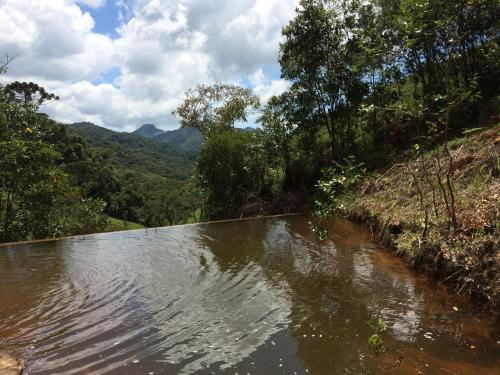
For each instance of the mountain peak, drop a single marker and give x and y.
(148, 131)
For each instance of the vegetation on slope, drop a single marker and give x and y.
(395, 205)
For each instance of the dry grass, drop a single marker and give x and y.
(468, 257)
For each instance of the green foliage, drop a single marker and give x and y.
(142, 180)
(367, 78)
(37, 196)
(28, 93)
(214, 109)
(319, 231)
(229, 173)
(377, 76)
(375, 340)
(115, 225)
(335, 181)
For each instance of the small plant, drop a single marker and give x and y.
(336, 180)
(319, 231)
(375, 340)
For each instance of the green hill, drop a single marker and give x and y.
(187, 139)
(148, 131)
(132, 152)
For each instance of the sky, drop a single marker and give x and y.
(124, 63)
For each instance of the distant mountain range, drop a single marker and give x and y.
(186, 139)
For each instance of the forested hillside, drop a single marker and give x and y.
(130, 151)
(186, 139)
(148, 131)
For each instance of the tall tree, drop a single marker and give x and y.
(317, 56)
(216, 108)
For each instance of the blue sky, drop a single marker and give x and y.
(123, 63)
(106, 18)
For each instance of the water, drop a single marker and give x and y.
(259, 296)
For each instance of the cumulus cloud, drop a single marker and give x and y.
(265, 87)
(52, 40)
(162, 48)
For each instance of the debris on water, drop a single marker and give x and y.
(320, 335)
(398, 361)
(135, 361)
(428, 335)
(281, 365)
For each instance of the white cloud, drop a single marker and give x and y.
(92, 3)
(52, 40)
(265, 88)
(163, 47)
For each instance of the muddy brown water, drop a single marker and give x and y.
(255, 297)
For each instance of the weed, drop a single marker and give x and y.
(375, 340)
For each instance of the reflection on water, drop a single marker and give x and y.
(260, 297)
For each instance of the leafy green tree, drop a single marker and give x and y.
(29, 93)
(275, 137)
(317, 56)
(228, 174)
(37, 197)
(216, 108)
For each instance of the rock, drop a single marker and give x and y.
(9, 364)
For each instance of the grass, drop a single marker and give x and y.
(115, 225)
(195, 217)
